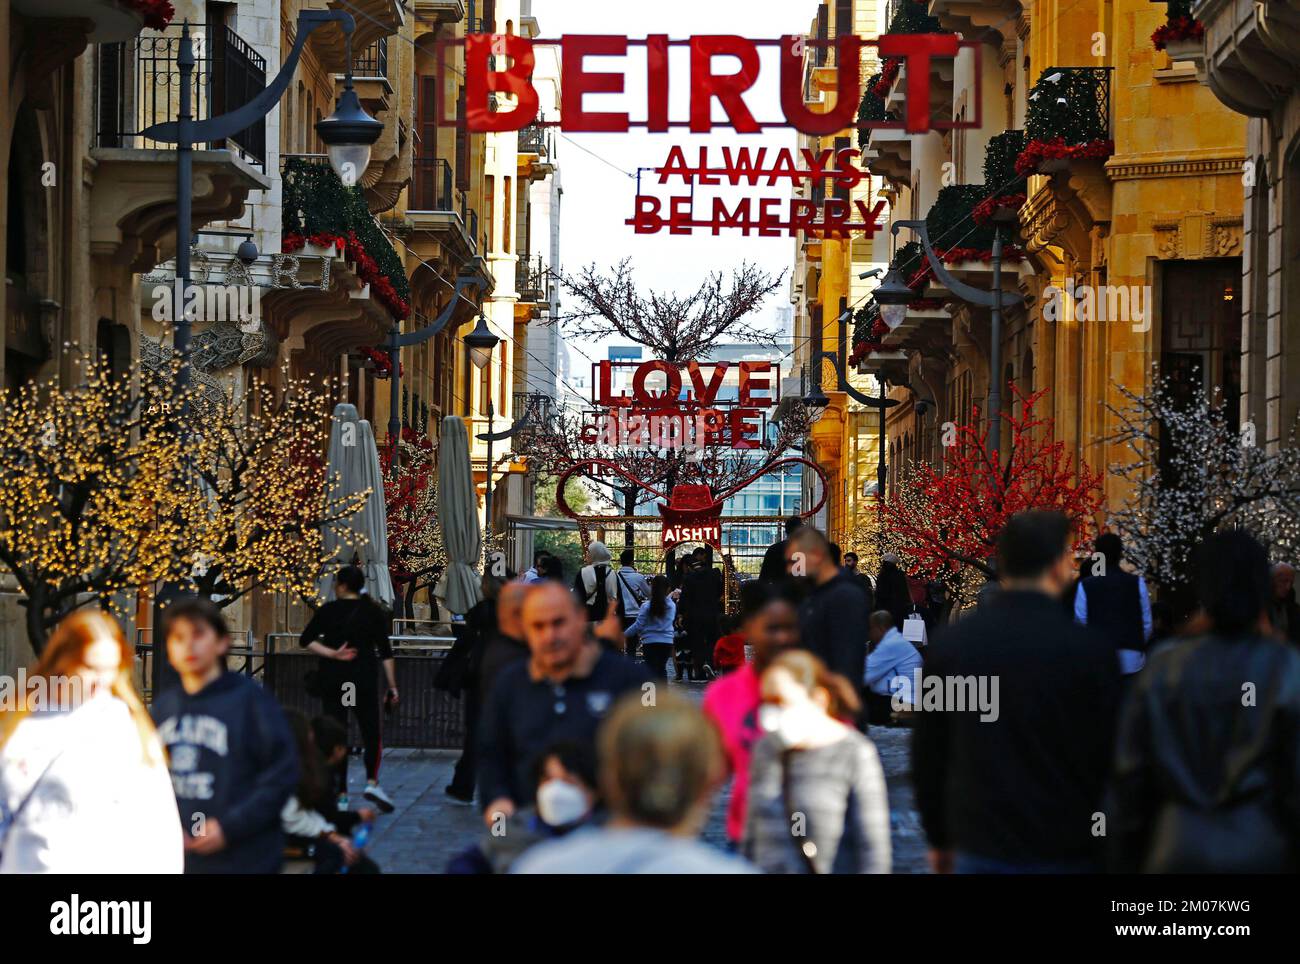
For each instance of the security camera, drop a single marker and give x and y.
(874, 272)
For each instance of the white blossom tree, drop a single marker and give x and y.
(1191, 472)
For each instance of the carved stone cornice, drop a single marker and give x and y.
(1210, 163)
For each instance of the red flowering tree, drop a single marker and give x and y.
(415, 552)
(953, 515)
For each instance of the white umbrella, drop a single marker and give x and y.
(458, 516)
(353, 466)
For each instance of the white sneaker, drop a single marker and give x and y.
(375, 794)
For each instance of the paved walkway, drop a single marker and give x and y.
(427, 828)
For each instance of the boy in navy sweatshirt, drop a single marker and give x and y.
(230, 750)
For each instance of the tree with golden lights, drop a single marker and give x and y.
(93, 502)
(261, 504)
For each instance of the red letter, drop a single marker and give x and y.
(647, 219)
(705, 394)
(515, 80)
(749, 383)
(604, 370)
(705, 84)
(917, 49)
(574, 82)
(656, 54)
(743, 432)
(848, 55)
(670, 393)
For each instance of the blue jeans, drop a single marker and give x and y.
(968, 863)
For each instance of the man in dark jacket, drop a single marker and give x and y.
(892, 591)
(833, 619)
(1014, 782)
(774, 569)
(1115, 603)
(700, 611)
(231, 753)
(560, 693)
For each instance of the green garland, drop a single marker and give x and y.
(1000, 175)
(872, 109)
(949, 221)
(316, 202)
(908, 260)
(911, 17)
(1067, 110)
(864, 321)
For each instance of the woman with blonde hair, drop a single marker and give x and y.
(817, 800)
(84, 786)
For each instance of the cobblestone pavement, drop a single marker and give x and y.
(428, 828)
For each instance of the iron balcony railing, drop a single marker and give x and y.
(373, 61)
(433, 188)
(536, 139)
(531, 279)
(137, 84)
(538, 407)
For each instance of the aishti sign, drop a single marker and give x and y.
(678, 406)
(503, 64)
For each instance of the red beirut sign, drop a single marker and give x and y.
(504, 63)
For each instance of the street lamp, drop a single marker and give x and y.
(815, 397)
(888, 298)
(481, 342)
(349, 132)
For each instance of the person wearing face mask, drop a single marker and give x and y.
(84, 786)
(817, 797)
(769, 623)
(566, 799)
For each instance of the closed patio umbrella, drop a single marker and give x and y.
(458, 515)
(353, 466)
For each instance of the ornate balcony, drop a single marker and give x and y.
(1252, 53)
(137, 84)
(1068, 121)
(438, 213)
(993, 21)
(374, 19)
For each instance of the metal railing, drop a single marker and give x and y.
(432, 184)
(137, 85)
(536, 139)
(373, 61)
(531, 279)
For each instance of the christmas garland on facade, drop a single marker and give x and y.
(1000, 176)
(157, 13)
(869, 330)
(382, 361)
(1065, 120)
(1179, 25)
(871, 110)
(319, 209)
(909, 17)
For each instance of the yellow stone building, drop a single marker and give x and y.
(1125, 259)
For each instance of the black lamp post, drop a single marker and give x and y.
(481, 342)
(348, 135)
(815, 396)
(891, 298)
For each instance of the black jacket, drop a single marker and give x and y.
(774, 568)
(232, 757)
(833, 624)
(892, 593)
(1024, 787)
(701, 603)
(358, 622)
(1207, 773)
(523, 716)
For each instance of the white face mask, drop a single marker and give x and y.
(560, 803)
(793, 724)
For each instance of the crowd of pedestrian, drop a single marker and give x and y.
(1064, 725)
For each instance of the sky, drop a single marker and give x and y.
(598, 170)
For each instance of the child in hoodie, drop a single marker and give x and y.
(231, 753)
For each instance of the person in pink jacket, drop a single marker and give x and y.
(769, 622)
